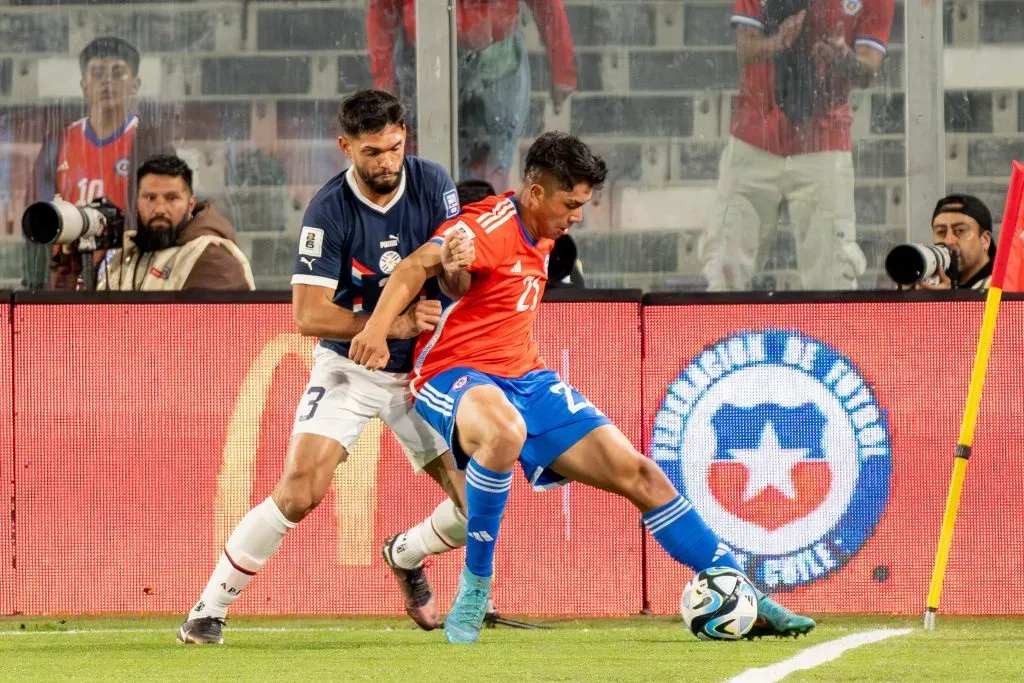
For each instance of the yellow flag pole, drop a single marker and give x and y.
(962, 453)
(1011, 221)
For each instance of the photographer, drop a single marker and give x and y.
(179, 243)
(963, 224)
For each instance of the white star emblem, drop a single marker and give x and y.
(769, 465)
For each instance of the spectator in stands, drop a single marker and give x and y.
(494, 73)
(178, 243)
(564, 268)
(94, 156)
(963, 223)
(790, 138)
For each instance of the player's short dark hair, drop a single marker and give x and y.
(165, 164)
(370, 111)
(474, 190)
(110, 46)
(565, 159)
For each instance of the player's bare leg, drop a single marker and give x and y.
(492, 431)
(605, 459)
(308, 471)
(443, 530)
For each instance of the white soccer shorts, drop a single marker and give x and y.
(342, 397)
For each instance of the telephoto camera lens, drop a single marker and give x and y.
(908, 264)
(60, 222)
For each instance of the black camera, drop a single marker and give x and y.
(908, 264)
(97, 225)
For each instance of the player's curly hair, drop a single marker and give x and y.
(109, 46)
(370, 111)
(565, 159)
(168, 165)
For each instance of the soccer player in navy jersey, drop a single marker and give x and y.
(355, 231)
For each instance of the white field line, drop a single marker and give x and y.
(816, 656)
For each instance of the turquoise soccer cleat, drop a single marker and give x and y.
(467, 614)
(775, 620)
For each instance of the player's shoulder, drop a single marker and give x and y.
(428, 184)
(484, 219)
(426, 172)
(490, 214)
(329, 200)
(76, 128)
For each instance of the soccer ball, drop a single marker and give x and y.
(719, 603)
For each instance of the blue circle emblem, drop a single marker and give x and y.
(778, 441)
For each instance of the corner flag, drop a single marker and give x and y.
(1007, 275)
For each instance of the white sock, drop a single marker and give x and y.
(443, 530)
(254, 540)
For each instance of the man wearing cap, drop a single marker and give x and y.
(963, 223)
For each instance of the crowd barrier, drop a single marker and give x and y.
(814, 435)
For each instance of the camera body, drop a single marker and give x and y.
(909, 264)
(97, 225)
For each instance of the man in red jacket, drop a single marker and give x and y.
(494, 72)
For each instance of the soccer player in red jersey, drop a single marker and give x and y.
(479, 380)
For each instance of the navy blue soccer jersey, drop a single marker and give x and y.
(351, 245)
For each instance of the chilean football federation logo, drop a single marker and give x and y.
(780, 445)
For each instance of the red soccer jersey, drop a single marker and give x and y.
(759, 121)
(89, 168)
(490, 329)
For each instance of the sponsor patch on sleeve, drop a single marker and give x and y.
(311, 241)
(451, 203)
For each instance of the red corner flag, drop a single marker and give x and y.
(1008, 271)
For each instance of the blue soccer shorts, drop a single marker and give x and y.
(557, 416)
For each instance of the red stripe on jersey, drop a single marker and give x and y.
(363, 270)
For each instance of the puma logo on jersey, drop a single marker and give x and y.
(308, 262)
(518, 267)
(390, 243)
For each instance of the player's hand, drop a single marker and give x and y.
(422, 316)
(457, 252)
(370, 349)
(789, 30)
(559, 94)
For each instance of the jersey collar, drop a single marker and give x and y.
(350, 179)
(519, 220)
(90, 134)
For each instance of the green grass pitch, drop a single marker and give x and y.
(635, 649)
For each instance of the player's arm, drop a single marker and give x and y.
(316, 315)
(369, 347)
